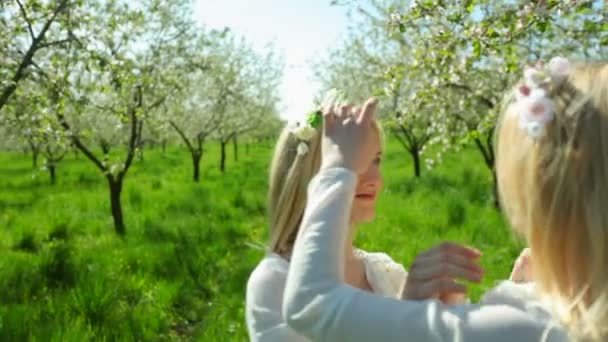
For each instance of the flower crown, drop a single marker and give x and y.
(536, 109)
(306, 129)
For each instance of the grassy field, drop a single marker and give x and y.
(180, 273)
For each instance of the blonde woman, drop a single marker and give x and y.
(552, 167)
(297, 159)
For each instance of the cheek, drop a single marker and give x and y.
(376, 177)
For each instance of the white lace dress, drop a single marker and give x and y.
(266, 285)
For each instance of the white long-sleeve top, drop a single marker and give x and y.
(266, 286)
(319, 305)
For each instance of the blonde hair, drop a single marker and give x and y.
(554, 191)
(290, 174)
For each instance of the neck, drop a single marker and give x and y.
(349, 252)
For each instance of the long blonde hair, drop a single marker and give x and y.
(554, 191)
(290, 174)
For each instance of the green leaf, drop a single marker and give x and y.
(315, 118)
(476, 48)
(402, 28)
(378, 92)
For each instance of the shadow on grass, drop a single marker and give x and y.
(17, 205)
(14, 171)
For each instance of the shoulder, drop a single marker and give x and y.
(386, 276)
(502, 322)
(379, 260)
(510, 291)
(522, 296)
(269, 275)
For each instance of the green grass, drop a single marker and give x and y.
(180, 273)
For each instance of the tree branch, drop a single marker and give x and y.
(78, 143)
(465, 87)
(484, 152)
(401, 140)
(29, 55)
(182, 135)
(133, 139)
(57, 42)
(27, 19)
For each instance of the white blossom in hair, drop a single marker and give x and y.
(535, 108)
(302, 148)
(305, 130)
(559, 67)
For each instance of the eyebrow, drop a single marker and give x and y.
(379, 153)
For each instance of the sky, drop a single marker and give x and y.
(300, 30)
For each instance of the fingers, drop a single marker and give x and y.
(368, 111)
(328, 117)
(435, 267)
(450, 257)
(345, 109)
(452, 298)
(342, 113)
(453, 248)
(447, 260)
(435, 287)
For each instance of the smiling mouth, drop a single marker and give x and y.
(367, 197)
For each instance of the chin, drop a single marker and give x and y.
(364, 216)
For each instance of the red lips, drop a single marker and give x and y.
(366, 196)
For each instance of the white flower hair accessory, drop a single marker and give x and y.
(302, 148)
(535, 108)
(306, 129)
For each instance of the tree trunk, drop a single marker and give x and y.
(235, 143)
(223, 156)
(247, 146)
(415, 153)
(196, 164)
(51, 167)
(115, 190)
(496, 199)
(164, 146)
(34, 158)
(140, 153)
(488, 158)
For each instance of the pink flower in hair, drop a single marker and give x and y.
(535, 107)
(523, 90)
(535, 110)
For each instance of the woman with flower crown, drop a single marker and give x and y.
(552, 168)
(297, 159)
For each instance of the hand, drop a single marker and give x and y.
(434, 272)
(522, 269)
(347, 137)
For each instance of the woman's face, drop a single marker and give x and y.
(369, 185)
